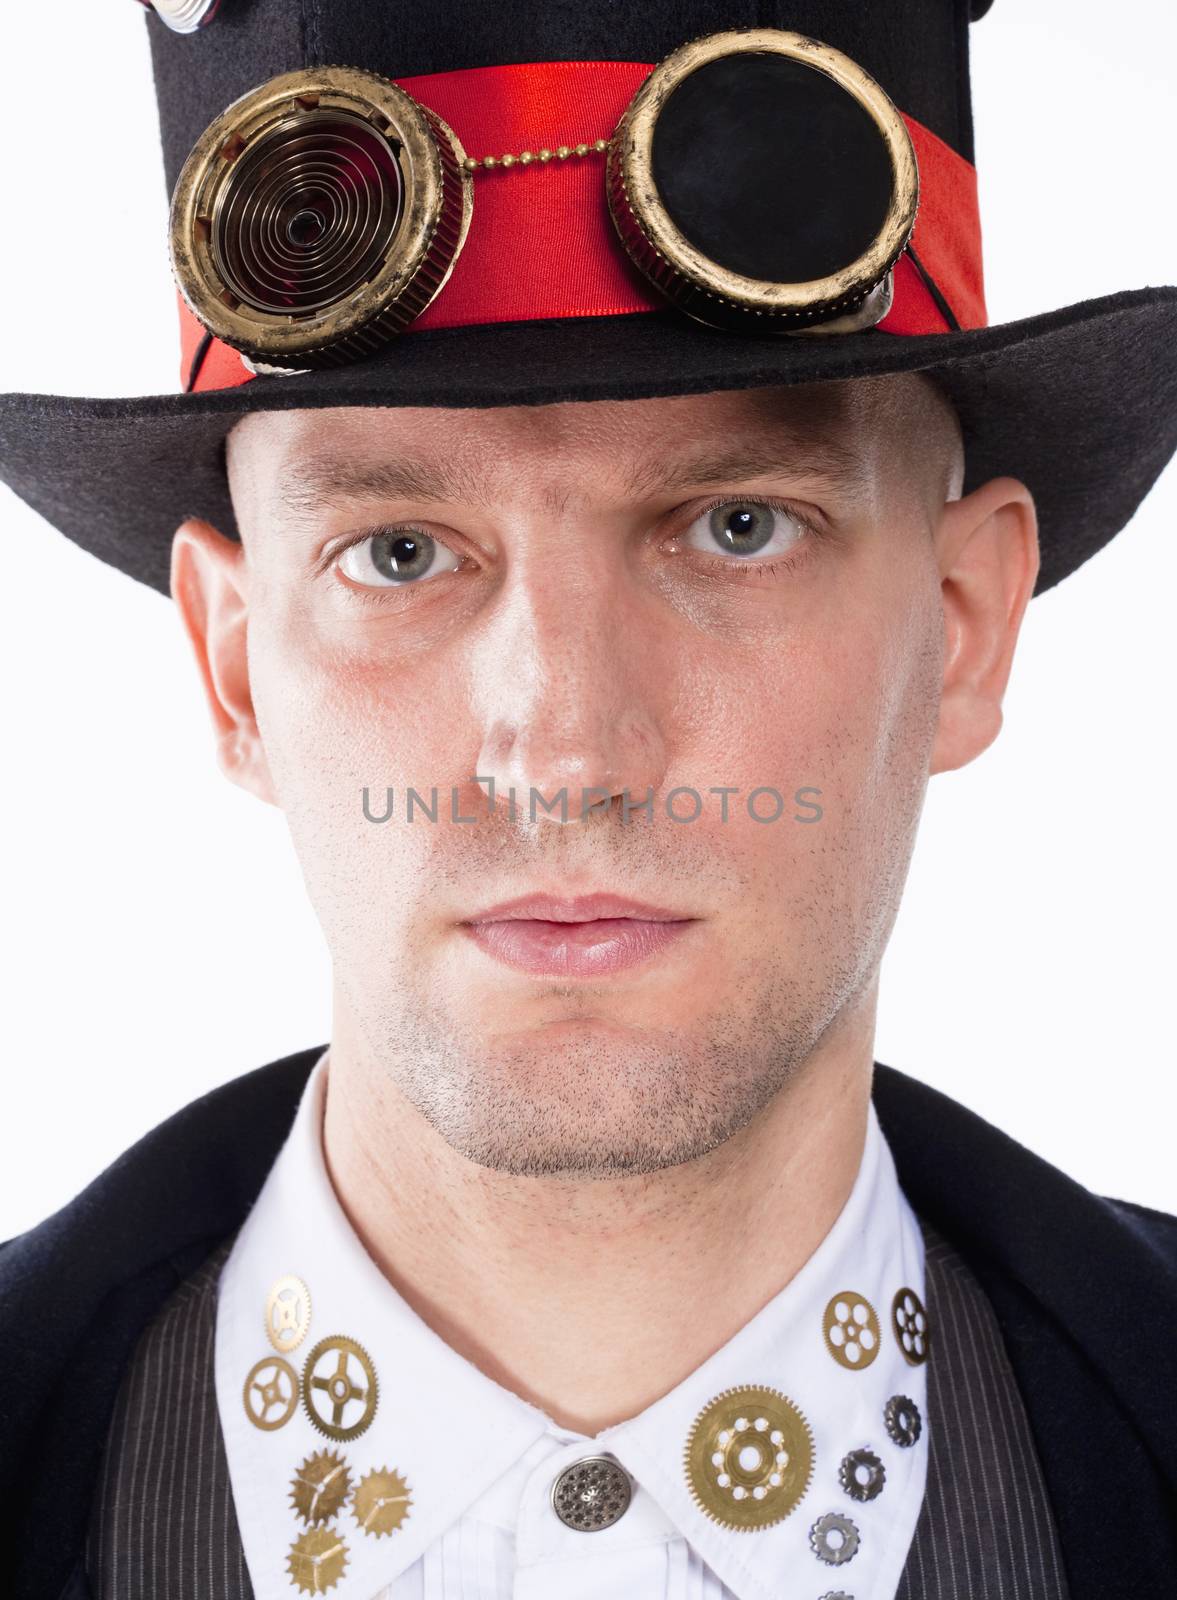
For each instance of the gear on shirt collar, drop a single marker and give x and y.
(320, 1486)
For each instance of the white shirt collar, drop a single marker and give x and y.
(465, 1446)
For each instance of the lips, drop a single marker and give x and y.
(583, 908)
(586, 936)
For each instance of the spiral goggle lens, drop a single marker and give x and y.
(308, 213)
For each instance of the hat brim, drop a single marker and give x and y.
(1079, 403)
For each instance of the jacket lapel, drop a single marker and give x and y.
(1084, 1289)
(77, 1290)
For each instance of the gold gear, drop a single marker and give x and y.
(381, 1502)
(317, 1559)
(320, 1486)
(749, 1457)
(288, 1313)
(851, 1330)
(338, 1388)
(268, 1392)
(910, 1323)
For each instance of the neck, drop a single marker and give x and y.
(592, 1298)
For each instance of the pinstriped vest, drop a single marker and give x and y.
(163, 1522)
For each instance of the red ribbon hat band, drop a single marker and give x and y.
(543, 244)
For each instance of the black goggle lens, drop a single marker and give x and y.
(771, 168)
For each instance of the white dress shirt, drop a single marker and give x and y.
(479, 1464)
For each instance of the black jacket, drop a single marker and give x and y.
(1084, 1289)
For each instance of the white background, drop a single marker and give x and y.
(157, 937)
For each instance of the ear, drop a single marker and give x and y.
(987, 547)
(209, 586)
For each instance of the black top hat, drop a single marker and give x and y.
(482, 206)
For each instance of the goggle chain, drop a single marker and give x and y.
(525, 157)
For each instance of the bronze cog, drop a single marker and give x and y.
(317, 1559)
(321, 1485)
(749, 1457)
(326, 1395)
(288, 1313)
(272, 1381)
(381, 1502)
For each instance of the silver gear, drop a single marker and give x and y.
(902, 1419)
(850, 1481)
(819, 1538)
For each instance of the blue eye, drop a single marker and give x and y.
(745, 528)
(394, 557)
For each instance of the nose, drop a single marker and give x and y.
(570, 693)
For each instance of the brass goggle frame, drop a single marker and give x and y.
(231, 248)
(389, 188)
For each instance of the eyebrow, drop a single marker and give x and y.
(322, 483)
(825, 461)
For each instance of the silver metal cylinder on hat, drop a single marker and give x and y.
(185, 16)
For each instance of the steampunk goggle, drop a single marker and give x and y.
(759, 179)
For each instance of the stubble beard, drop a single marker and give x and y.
(605, 1102)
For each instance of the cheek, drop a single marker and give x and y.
(846, 704)
(332, 715)
(869, 672)
(872, 710)
(333, 723)
(847, 694)
(882, 694)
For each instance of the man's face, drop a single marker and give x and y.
(737, 590)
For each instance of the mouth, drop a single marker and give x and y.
(588, 936)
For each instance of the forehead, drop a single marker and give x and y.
(304, 459)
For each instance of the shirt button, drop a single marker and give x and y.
(591, 1494)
